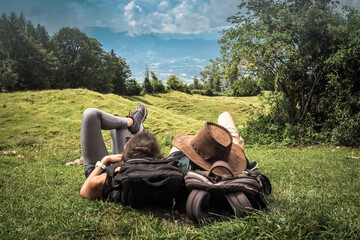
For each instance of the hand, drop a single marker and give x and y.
(111, 159)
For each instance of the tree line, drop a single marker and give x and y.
(31, 59)
(307, 53)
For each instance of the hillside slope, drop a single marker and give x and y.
(55, 115)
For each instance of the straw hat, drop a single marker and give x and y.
(212, 143)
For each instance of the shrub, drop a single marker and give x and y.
(132, 87)
(158, 86)
(269, 125)
(246, 86)
(347, 132)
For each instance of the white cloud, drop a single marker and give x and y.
(185, 17)
(132, 23)
(129, 6)
(132, 16)
(163, 4)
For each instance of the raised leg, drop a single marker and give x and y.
(92, 142)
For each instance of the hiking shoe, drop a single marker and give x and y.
(252, 166)
(138, 116)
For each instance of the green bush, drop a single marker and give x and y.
(158, 86)
(246, 86)
(132, 87)
(208, 92)
(269, 125)
(174, 83)
(347, 132)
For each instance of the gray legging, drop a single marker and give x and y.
(92, 142)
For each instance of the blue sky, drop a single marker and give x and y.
(131, 16)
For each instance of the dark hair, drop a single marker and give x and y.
(140, 145)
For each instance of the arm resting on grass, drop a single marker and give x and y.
(92, 187)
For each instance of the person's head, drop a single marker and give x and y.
(140, 145)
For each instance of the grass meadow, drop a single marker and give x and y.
(316, 189)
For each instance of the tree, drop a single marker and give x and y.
(81, 61)
(212, 75)
(147, 87)
(196, 85)
(158, 86)
(246, 86)
(173, 83)
(30, 60)
(295, 46)
(8, 79)
(132, 87)
(31, 64)
(118, 71)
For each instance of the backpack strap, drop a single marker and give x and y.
(243, 192)
(222, 164)
(239, 203)
(196, 202)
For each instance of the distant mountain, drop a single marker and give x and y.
(165, 54)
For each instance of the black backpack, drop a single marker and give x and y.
(213, 196)
(146, 183)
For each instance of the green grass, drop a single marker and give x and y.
(315, 189)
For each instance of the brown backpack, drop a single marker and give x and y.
(213, 196)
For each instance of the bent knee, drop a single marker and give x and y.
(90, 113)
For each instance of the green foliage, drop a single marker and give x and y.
(157, 85)
(8, 79)
(31, 64)
(346, 133)
(207, 92)
(173, 83)
(269, 125)
(147, 87)
(196, 85)
(132, 87)
(39, 197)
(31, 59)
(223, 76)
(306, 51)
(118, 70)
(81, 60)
(246, 86)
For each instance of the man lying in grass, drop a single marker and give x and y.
(188, 150)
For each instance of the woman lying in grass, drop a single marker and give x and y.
(95, 154)
(143, 144)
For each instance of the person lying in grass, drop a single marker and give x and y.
(139, 145)
(124, 146)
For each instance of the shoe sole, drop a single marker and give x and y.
(142, 120)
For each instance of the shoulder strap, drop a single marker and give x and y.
(220, 164)
(239, 203)
(194, 204)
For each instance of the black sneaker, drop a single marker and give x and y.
(252, 166)
(138, 116)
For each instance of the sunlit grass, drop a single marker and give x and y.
(315, 189)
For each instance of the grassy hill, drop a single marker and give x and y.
(55, 116)
(315, 189)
